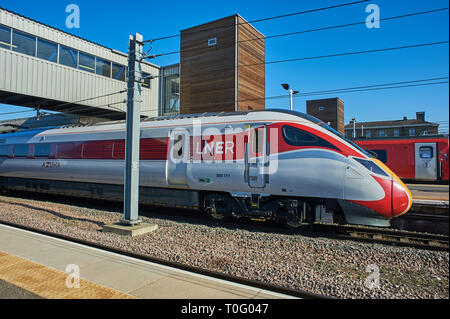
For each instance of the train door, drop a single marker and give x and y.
(425, 158)
(256, 158)
(176, 165)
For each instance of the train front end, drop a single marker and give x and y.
(386, 196)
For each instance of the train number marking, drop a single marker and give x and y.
(51, 165)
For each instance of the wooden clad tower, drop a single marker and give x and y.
(222, 67)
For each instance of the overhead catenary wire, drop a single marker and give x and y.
(319, 29)
(264, 19)
(417, 45)
(374, 87)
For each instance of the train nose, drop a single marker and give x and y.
(401, 198)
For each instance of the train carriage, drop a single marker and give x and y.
(280, 165)
(419, 158)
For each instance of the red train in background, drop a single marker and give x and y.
(419, 158)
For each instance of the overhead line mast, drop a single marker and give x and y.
(131, 180)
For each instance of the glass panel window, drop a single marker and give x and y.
(4, 150)
(426, 152)
(103, 67)
(68, 57)
(368, 133)
(371, 166)
(396, 132)
(412, 132)
(42, 150)
(172, 95)
(297, 137)
(5, 37)
(87, 62)
(47, 50)
(23, 43)
(118, 72)
(21, 150)
(258, 140)
(146, 80)
(381, 133)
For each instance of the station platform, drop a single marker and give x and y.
(429, 192)
(35, 265)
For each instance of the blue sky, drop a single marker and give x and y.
(110, 22)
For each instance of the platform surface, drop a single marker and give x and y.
(429, 191)
(123, 276)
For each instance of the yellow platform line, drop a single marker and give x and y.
(50, 283)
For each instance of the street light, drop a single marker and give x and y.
(291, 93)
(354, 127)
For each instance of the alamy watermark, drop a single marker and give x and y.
(373, 19)
(73, 277)
(73, 19)
(373, 280)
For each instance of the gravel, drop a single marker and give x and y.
(338, 268)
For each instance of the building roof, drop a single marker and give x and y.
(392, 123)
(217, 20)
(73, 35)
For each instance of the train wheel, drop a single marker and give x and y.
(294, 224)
(214, 215)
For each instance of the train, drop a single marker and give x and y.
(413, 159)
(264, 165)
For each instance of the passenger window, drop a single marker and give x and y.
(21, 150)
(4, 150)
(178, 146)
(426, 152)
(42, 150)
(258, 140)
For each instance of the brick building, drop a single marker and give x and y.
(394, 128)
(328, 110)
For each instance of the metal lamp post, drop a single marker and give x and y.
(291, 94)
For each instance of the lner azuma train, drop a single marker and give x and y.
(280, 165)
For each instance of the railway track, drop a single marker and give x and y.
(248, 282)
(386, 236)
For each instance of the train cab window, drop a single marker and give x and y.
(381, 155)
(21, 150)
(297, 137)
(4, 150)
(371, 166)
(426, 152)
(42, 150)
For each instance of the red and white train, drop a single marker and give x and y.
(280, 165)
(423, 158)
